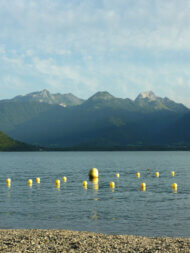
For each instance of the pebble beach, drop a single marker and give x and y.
(37, 240)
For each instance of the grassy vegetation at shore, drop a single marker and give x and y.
(8, 144)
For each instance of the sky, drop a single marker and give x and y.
(83, 46)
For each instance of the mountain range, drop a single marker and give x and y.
(64, 120)
(45, 96)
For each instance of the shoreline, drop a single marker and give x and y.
(54, 240)
(101, 148)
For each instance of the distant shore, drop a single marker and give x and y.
(112, 148)
(22, 240)
(117, 148)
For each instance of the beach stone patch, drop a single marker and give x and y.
(56, 241)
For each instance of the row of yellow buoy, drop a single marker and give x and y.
(157, 174)
(143, 186)
(30, 181)
(93, 175)
(112, 185)
(84, 183)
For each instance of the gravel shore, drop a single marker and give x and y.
(20, 240)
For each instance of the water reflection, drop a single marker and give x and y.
(8, 194)
(58, 187)
(8, 185)
(95, 216)
(85, 187)
(95, 185)
(37, 186)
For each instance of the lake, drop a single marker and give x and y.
(158, 211)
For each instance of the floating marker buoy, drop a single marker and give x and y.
(117, 175)
(84, 183)
(57, 183)
(93, 173)
(173, 173)
(8, 181)
(138, 174)
(174, 186)
(112, 185)
(143, 186)
(30, 182)
(157, 174)
(38, 180)
(64, 179)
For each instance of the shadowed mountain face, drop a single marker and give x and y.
(177, 133)
(103, 120)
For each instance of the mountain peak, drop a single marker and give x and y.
(147, 95)
(102, 95)
(44, 96)
(44, 93)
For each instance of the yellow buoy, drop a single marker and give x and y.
(112, 185)
(93, 173)
(138, 174)
(157, 174)
(143, 186)
(173, 173)
(84, 183)
(57, 183)
(8, 181)
(174, 186)
(64, 179)
(30, 182)
(117, 175)
(38, 180)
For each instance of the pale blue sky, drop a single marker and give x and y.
(83, 46)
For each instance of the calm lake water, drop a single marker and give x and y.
(124, 210)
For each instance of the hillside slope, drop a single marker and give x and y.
(8, 144)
